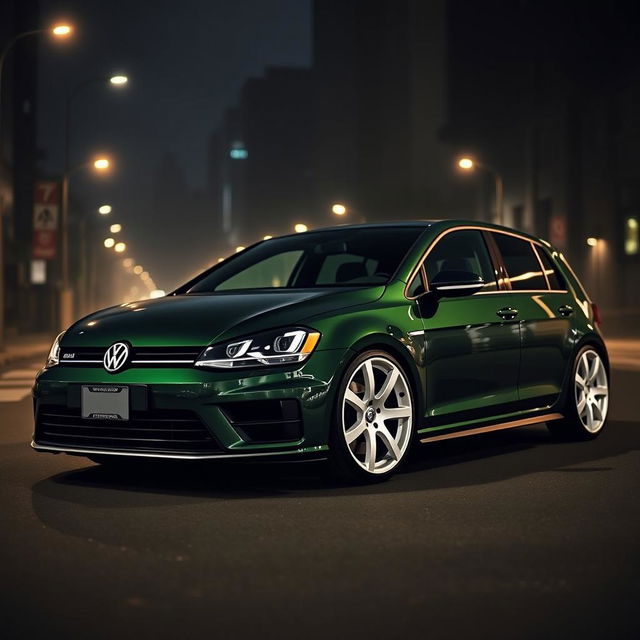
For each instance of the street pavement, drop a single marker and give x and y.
(506, 535)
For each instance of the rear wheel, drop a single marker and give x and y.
(587, 399)
(374, 419)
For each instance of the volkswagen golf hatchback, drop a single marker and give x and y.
(350, 344)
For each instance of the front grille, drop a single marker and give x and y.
(166, 431)
(265, 421)
(139, 357)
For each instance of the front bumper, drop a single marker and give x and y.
(213, 409)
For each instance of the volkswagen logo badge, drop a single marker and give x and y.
(116, 356)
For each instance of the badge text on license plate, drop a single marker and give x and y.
(105, 402)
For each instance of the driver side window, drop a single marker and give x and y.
(461, 252)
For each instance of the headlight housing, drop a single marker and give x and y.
(269, 348)
(54, 353)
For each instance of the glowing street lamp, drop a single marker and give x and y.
(138, 269)
(592, 242)
(109, 242)
(239, 249)
(61, 30)
(101, 164)
(104, 209)
(300, 228)
(120, 247)
(338, 209)
(267, 237)
(118, 80)
(115, 228)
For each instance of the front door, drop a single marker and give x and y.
(472, 342)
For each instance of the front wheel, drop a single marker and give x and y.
(375, 417)
(587, 398)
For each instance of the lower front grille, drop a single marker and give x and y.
(265, 421)
(149, 431)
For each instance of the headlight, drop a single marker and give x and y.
(282, 346)
(54, 353)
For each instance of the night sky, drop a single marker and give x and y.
(186, 61)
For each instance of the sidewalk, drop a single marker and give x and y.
(23, 347)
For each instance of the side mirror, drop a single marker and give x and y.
(456, 283)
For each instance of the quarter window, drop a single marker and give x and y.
(462, 251)
(521, 262)
(550, 270)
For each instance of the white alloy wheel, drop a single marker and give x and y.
(377, 415)
(591, 391)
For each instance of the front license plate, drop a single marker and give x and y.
(105, 402)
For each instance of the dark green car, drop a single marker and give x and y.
(349, 344)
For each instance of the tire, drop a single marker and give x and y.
(374, 419)
(587, 401)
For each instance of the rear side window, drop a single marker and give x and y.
(462, 251)
(521, 262)
(551, 271)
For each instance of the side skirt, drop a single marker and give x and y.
(495, 427)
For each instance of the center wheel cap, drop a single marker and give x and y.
(370, 414)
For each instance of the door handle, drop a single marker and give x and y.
(507, 313)
(565, 310)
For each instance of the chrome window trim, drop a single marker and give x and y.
(544, 271)
(437, 239)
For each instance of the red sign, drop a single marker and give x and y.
(45, 219)
(558, 231)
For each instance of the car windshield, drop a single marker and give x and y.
(336, 258)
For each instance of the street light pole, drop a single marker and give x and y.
(66, 293)
(58, 31)
(468, 164)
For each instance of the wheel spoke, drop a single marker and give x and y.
(354, 400)
(590, 418)
(369, 381)
(355, 431)
(597, 410)
(370, 449)
(397, 412)
(580, 380)
(600, 391)
(581, 404)
(387, 385)
(594, 369)
(389, 442)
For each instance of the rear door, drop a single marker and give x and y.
(472, 352)
(544, 309)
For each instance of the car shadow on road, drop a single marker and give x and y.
(461, 462)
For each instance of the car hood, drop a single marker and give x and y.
(198, 320)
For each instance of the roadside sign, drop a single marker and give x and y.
(45, 219)
(558, 231)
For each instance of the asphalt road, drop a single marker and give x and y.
(497, 536)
